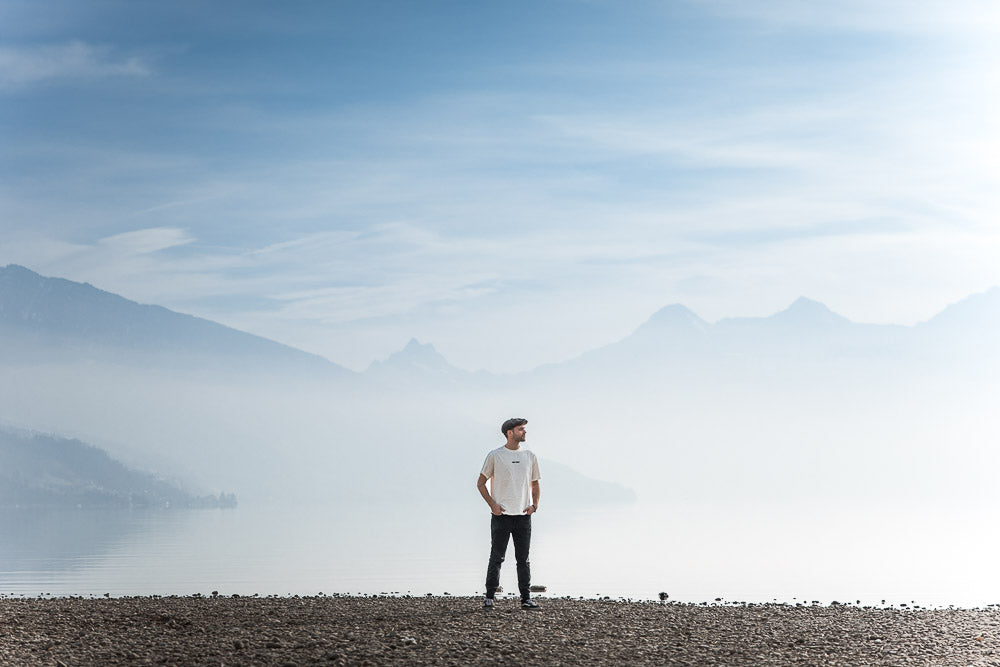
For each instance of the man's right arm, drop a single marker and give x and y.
(495, 507)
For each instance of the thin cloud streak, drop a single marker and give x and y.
(145, 241)
(958, 19)
(75, 60)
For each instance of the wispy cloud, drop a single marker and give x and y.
(145, 241)
(920, 17)
(21, 65)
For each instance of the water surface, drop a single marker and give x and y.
(695, 555)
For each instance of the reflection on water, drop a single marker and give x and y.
(45, 539)
(45, 547)
(632, 552)
(245, 550)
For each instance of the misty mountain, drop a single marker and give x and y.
(418, 364)
(39, 470)
(78, 359)
(417, 356)
(674, 326)
(59, 319)
(803, 403)
(807, 334)
(52, 319)
(971, 323)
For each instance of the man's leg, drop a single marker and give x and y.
(499, 537)
(522, 542)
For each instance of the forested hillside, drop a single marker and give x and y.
(42, 470)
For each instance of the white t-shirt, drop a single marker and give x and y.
(513, 471)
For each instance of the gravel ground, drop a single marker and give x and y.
(457, 631)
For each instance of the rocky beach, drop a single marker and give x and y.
(444, 630)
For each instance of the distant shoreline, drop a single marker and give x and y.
(349, 630)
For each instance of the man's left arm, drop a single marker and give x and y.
(536, 494)
(536, 488)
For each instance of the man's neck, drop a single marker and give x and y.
(513, 445)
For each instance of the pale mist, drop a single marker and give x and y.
(797, 457)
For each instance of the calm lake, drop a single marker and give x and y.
(694, 554)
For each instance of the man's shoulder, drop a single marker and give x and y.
(495, 453)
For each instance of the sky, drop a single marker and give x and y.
(514, 182)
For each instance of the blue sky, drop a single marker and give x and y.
(514, 182)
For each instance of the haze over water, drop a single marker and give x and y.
(696, 555)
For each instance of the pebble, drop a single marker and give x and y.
(203, 630)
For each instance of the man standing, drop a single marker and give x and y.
(514, 498)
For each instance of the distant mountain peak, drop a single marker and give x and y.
(17, 269)
(805, 311)
(675, 313)
(981, 308)
(806, 302)
(414, 345)
(24, 274)
(674, 317)
(415, 356)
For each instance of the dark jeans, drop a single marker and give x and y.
(501, 529)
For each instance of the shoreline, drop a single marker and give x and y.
(538, 595)
(452, 630)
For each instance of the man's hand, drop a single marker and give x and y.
(530, 509)
(495, 507)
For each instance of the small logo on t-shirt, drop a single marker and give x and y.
(515, 461)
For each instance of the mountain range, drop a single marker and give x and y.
(758, 406)
(54, 317)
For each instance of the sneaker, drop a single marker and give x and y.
(488, 603)
(529, 604)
